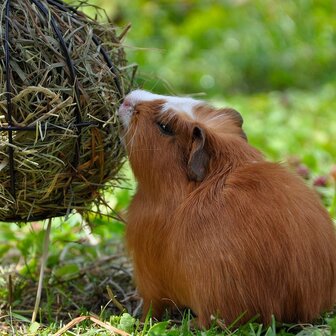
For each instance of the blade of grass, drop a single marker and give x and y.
(46, 241)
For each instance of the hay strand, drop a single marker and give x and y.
(77, 320)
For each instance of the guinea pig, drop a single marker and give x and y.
(216, 228)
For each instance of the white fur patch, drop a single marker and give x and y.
(178, 104)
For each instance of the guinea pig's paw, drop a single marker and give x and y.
(200, 322)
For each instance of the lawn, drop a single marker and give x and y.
(279, 77)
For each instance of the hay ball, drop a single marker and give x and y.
(62, 79)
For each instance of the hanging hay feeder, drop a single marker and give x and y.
(62, 79)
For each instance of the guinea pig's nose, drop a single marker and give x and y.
(126, 103)
(125, 112)
(125, 106)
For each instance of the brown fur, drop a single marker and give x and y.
(250, 237)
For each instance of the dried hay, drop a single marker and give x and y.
(61, 85)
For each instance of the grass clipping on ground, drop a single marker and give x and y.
(65, 139)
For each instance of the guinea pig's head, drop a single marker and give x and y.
(173, 139)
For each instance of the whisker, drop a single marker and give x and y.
(132, 140)
(219, 116)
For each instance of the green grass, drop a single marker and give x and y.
(87, 261)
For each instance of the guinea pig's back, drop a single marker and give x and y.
(286, 241)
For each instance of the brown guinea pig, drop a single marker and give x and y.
(216, 228)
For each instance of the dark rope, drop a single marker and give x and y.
(9, 103)
(96, 41)
(73, 76)
(45, 126)
(111, 66)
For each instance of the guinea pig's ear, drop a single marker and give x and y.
(238, 120)
(198, 157)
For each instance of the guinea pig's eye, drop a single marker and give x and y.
(165, 128)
